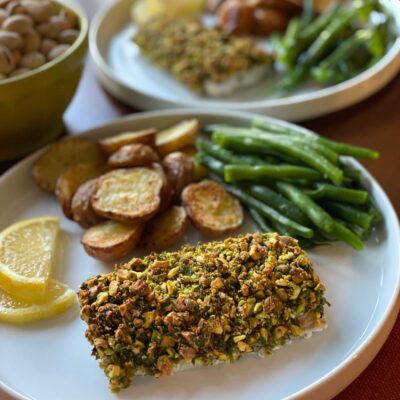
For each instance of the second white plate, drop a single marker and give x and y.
(131, 78)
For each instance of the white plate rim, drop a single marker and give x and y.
(358, 359)
(387, 68)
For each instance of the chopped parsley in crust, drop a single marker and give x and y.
(202, 304)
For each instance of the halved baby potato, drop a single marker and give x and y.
(128, 195)
(64, 154)
(70, 180)
(111, 240)
(179, 169)
(133, 155)
(167, 191)
(211, 208)
(114, 143)
(178, 136)
(165, 229)
(81, 206)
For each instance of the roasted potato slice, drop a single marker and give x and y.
(81, 207)
(179, 169)
(70, 180)
(167, 190)
(114, 143)
(133, 155)
(211, 208)
(111, 240)
(178, 136)
(128, 195)
(60, 156)
(165, 229)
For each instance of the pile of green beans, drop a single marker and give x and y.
(292, 180)
(334, 46)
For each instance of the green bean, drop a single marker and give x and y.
(327, 191)
(306, 36)
(344, 234)
(291, 34)
(325, 71)
(372, 210)
(262, 173)
(279, 203)
(306, 204)
(362, 233)
(349, 213)
(324, 150)
(328, 36)
(286, 146)
(293, 78)
(320, 148)
(291, 130)
(353, 173)
(284, 46)
(212, 164)
(259, 220)
(224, 155)
(347, 48)
(308, 13)
(314, 29)
(238, 145)
(269, 212)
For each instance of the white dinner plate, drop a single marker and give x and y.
(131, 78)
(51, 359)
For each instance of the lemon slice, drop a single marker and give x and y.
(26, 256)
(57, 299)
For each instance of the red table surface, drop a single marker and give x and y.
(374, 123)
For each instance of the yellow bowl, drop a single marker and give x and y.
(32, 105)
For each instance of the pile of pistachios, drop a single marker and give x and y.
(33, 32)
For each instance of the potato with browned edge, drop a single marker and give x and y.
(60, 156)
(81, 206)
(114, 143)
(179, 169)
(128, 195)
(167, 190)
(70, 180)
(111, 240)
(133, 155)
(212, 210)
(165, 229)
(178, 136)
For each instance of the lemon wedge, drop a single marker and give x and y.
(26, 256)
(57, 299)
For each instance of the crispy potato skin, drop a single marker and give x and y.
(179, 169)
(60, 156)
(70, 180)
(167, 191)
(128, 195)
(177, 137)
(81, 207)
(111, 240)
(165, 229)
(212, 210)
(133, 155)
(114, 143)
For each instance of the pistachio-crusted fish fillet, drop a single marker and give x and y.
(205, 59)
(201, 305)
